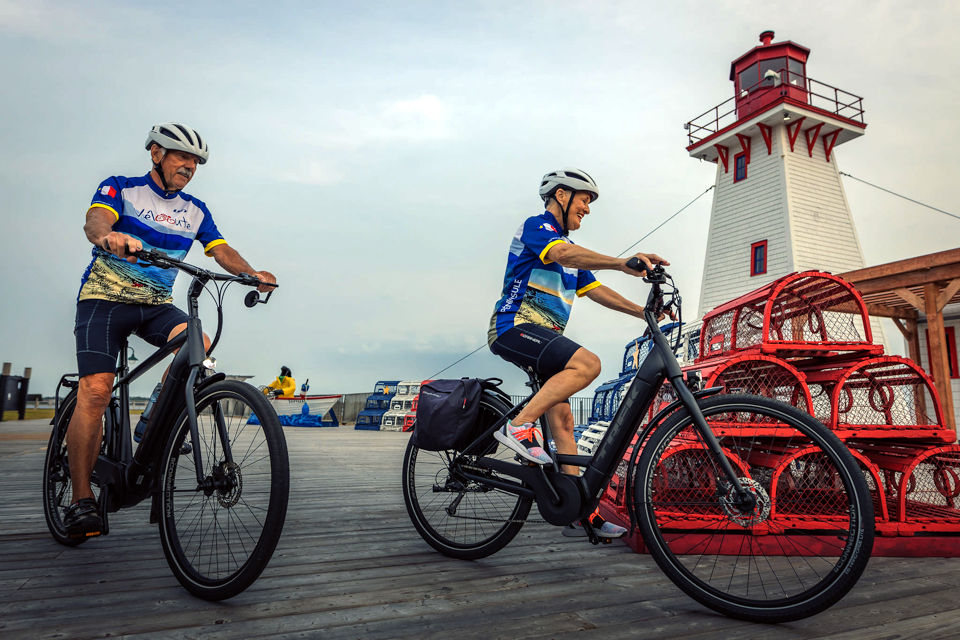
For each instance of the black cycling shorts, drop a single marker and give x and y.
(529, 346)
(102, 325)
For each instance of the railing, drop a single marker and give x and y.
(581, 407)
(813, 92)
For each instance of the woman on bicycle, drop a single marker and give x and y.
(545, 271)
(118, 296)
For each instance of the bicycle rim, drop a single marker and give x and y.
(798, 551)
(219, 536)
(453, 513)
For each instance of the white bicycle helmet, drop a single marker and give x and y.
(570, 178)
(173, 135)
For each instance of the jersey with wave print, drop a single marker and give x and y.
(168, 223)
(536, 289)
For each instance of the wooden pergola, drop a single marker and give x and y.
(905, 290)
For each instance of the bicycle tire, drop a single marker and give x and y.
(819, 513)
(484, 521)
(57, 487)
(230, 553)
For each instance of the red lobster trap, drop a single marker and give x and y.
(806, 340)
(800, 315)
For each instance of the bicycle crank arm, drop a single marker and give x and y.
(558, 497)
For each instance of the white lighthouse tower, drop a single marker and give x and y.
(779, 205)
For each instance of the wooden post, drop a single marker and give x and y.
(6, 368)
(939, 366)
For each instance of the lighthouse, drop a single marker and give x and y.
(779, 204)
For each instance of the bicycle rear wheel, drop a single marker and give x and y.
(57, 486)
(797, 552)
(458, 517)
(218, 536)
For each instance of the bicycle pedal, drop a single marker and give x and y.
(89, 534)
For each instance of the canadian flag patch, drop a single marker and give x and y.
(108, 191)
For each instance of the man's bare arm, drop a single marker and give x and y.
(231, 260)
(610, 299)
(570, 255)
(99, 231)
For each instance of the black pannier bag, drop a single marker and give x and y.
(447, 414)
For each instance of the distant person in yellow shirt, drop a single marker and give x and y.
(284, 383)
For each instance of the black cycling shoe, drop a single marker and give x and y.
(82, 519)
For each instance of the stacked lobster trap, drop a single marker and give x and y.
(806, 340)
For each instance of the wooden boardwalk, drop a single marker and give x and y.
(350, 565)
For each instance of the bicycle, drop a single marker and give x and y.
(701, 481)
(219, 479)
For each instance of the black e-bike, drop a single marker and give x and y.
(751, 506)
(213, 458)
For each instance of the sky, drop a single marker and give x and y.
(378, 157)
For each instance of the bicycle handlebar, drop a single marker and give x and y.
(164, 261)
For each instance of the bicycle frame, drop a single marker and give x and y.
(661, 364)
(127, 477)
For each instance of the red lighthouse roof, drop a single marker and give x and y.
(771, 87)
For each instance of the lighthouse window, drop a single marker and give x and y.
(758, 258)
(739, 167)
(748, 77)
(797, 72)
(774, 64)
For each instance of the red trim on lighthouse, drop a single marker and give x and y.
(830, 139)
(737, 176)
(724, 154)
(813, 142)
(767, 138)
(758, 262)
(745, 145)
(793, 131)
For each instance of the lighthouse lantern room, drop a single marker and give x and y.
(779, 205)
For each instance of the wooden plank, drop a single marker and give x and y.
(939, 365)
(947, 294)
(911, 298)
(937, 274)
(351, 565)
(920, 263)
(886, 311)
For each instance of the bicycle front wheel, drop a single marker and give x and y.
(458, 517)
(797, 551)
(219, 534)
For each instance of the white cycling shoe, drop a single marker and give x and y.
(523, 440)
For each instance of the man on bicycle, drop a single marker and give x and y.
(544, 272)
(118, 296)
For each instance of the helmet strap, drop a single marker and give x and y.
(163, 181)
(565, 210)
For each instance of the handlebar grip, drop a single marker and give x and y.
(636, 264)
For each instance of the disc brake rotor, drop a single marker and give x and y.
(746, 519)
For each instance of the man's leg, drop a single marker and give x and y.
(582, 369)
(177, 330)
(85, 432)
(561, 424)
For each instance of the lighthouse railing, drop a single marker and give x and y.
(786, 85)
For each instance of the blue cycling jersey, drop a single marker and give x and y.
(536, 289)
(167, 222)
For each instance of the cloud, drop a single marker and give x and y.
(63, 21)
(314, 172)
(421, 119)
